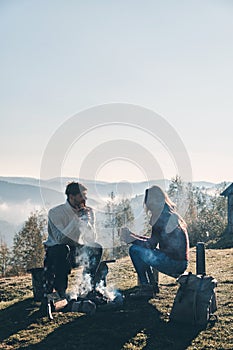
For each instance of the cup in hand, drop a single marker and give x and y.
(125, 235)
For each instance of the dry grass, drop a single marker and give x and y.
(137, 325)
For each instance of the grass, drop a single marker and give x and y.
(136, 325)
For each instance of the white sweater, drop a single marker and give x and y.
(67, 225)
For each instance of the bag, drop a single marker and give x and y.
(37, 282)
(195, 301)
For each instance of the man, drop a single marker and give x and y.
(71, 231)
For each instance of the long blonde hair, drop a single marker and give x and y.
(154, 201)
(159, 195)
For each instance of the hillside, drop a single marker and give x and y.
(135, 325)
(19, 196)
(95, 187)
(17, 193)
(18, 200)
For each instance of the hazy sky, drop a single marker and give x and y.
(171, 56)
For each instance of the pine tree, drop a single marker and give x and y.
(28, 250)
(205, 213)
(179, 194)
(118, 214)
(147, 226)
(124, 214)
(4, 258)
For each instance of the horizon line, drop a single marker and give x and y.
(106, 181)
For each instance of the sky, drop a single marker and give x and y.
(59, 58)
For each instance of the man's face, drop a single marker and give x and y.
(78, 200)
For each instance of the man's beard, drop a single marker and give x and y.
(80, 204)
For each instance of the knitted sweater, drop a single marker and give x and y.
(67, 225)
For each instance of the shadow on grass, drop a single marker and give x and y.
(17, 317)
(136, 325)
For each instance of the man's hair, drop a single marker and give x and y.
(74, 188)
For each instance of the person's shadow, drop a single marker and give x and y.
(17, 317)
(136, 322)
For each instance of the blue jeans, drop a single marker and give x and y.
(142, 258)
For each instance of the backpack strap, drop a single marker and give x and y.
(195, 299)
(184, 287)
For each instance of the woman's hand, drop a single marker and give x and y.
(126, 235)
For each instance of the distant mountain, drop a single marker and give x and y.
(21, 180)
(101, 189)
(19, 196)
(59, 184)
(14, 193)
(95, 188)
(204, 184)
(17, 201)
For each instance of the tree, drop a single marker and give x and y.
(206, 212)
(147, 226)
(118, 214)
(110, 219)
(124, 215)
(213, 216)
(4, 258)
(28, 250)
(179, 193)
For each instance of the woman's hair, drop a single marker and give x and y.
(156, 198)
(159, 195)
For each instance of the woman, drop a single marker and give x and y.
(167, 250)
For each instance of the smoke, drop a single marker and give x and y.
(84, 285)
(83, 281)
(107, 292)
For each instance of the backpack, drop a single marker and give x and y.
(195, 301)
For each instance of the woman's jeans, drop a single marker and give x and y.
(143, 258)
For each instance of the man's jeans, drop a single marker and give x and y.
(56, 268)
(59, 260)
(143, 258)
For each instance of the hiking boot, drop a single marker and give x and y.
(85, 306)
(144, 291)
(43, 307)
(56, 301)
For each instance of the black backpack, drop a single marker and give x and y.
(195, 301)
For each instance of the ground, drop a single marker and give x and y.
(136, 325)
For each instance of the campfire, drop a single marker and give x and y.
(85, 298)
(101, 295)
